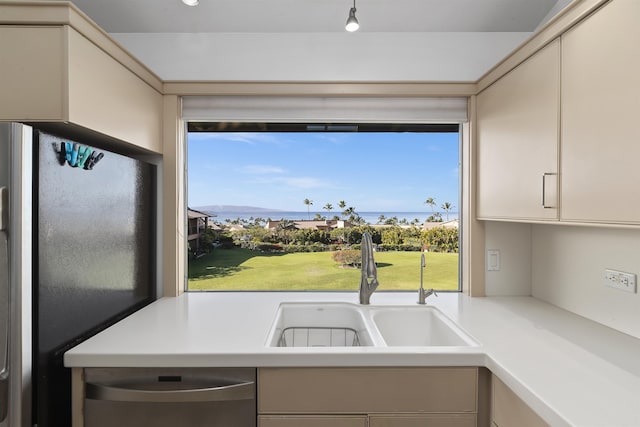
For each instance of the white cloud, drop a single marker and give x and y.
(331, 137)
(292, 182)
(244, 137)
(304, 182)
(262, 169)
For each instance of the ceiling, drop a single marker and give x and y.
(218, 39)
(309, 16)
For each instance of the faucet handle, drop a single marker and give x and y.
(423, 294)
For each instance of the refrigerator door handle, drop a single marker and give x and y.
(4, 303)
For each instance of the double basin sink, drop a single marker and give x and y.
(336, 324)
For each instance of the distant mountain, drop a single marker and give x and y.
(222, 209)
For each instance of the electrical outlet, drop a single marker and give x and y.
(620, 280)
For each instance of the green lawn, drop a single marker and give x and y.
(242, 269)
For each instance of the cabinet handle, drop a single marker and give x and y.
(544, 181)
(242, 391)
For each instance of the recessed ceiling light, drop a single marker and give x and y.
(191, 2)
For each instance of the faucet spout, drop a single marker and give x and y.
(369, 273)
(423, 293)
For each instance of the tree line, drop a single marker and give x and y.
(390, 234)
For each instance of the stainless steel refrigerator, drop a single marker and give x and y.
(77, 253)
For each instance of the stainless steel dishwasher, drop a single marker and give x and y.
(159, 397)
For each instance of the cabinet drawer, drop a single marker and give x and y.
(311, 421)
(435, 420)
(366, 390)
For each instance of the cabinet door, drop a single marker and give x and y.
(435, 420)
(311, 421)
(517, 136)
(108, 98)
(508, 410)
(600, 111)
(32, 80)
(366, 390)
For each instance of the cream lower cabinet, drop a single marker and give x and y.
(435, 420)
(377, 397)
(517, 141)
(600, 111)
(508, 410)
(389, 420)
(311, 421)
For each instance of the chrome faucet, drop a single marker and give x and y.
(369, 274)
(423, 293)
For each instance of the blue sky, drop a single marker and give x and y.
(388, 172)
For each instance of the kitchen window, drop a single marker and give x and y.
(282, 206)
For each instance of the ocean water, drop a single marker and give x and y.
(369, 217)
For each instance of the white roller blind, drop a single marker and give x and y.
(324, 109)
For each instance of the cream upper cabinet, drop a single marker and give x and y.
(517, 141)
(56, 74)
(600, 110)
(32, 82)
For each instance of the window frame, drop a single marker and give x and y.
(463, 141)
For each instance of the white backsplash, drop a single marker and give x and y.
(564, 265)
(513, 240)
(568, 264)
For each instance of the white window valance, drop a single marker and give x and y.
(294, 109)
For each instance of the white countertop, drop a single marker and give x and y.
(570, 370)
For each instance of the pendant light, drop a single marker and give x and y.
(352, 21)
(192, 2)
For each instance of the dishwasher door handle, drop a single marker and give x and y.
(242, 391)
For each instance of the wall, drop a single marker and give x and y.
(568, 264)
(513, 240)
(400, 57)
(564, 266)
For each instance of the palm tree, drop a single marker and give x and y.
(446, 207)
(308, 203)
(431, 202)
(328, 207)
(342, 205)
(284, 231)
(381, 219)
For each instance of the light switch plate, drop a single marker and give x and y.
(620, 280)
(493, 260)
